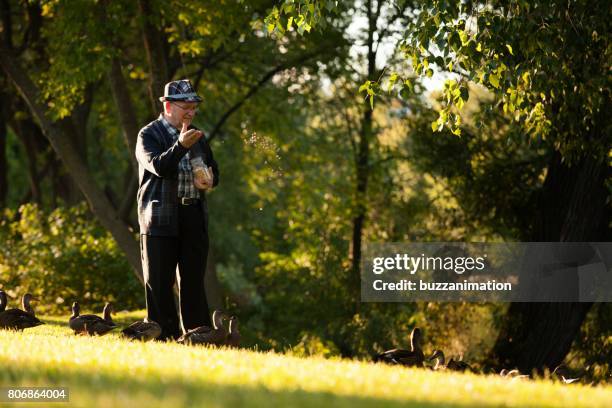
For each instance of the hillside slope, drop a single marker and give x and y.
(112, 372)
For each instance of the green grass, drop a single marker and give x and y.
(112, 372)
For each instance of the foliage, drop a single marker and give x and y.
(62, 256)
(301, 14)
(547, 62)
(74, 65)
(593, 348)
(167, 374)
(493, 173)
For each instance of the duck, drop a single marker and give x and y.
(90, 324)
(106, 312)
(409, 358)
(233, 335)
(145, 330)
(207, 335)
(25, 303)
(458, 365)
(453, 365)
(15, 319)
(437, 355)
(562, 373)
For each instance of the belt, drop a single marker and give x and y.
(189, 201)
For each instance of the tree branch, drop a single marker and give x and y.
(255, 88)
(7, 24)
(125, 109)
(156, 57)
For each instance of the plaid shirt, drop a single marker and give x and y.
(186, 188)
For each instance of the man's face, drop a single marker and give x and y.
(181, 111)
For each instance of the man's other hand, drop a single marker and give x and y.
(188, 137)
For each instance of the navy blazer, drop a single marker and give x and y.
(158, 159)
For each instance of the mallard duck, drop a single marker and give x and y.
(233, 336)
(91, 324)
(205, 334)
(458, 365)
(144, 331)
(25, 303)
(107, 311)
(409, 358)
(437, 355)
(562, 373)
(454, 365)
(15, 319)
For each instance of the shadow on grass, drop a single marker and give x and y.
(90, 388)
(54, 320)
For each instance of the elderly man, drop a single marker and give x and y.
(176, 166)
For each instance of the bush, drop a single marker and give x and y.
(592, 350)
(62, 256)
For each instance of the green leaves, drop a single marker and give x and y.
(479, 43)
(407, 89)
(68, 254)
(494, 80)
(371, 88)
(303, 14)
(455, 96)
(392, 80)
(484, 53)
(437, 125)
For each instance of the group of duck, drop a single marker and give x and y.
(416, 358)
(219, 334)
(146, 330)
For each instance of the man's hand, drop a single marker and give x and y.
(201, 184)
(202, 181)
(188, 138)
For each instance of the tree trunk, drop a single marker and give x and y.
(98, 203)
(3, 162)
(30, 135)
(74, 126)
(361, 189)
(363, 157)
(572, 208)
(27, 138)
(129, 126)
(212, 287)
(63, 186)
(156, 55)
(126, 205)
(42, 173)
(125, 110)
(78, 122)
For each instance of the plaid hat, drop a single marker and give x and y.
(180, 90)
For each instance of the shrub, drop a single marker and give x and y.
(62, 256)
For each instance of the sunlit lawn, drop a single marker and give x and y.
(112, 372)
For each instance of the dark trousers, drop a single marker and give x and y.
(160, 257)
